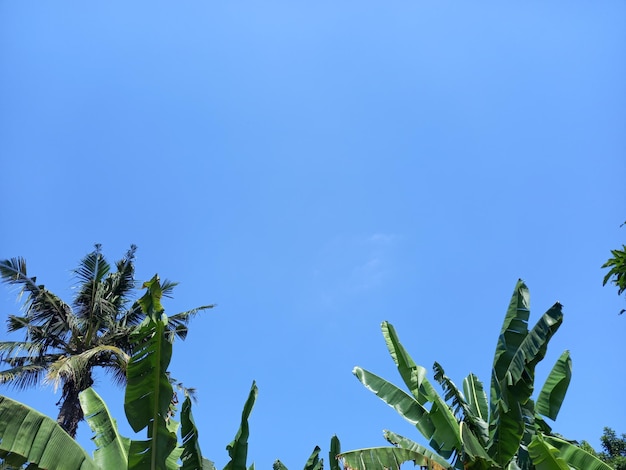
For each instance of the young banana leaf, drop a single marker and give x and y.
(191, 456)
(468, 414)
(444, 436)
(149, 391)
(238, 448)
(30, 436)
(112, 449)
(517, 353)
(314, 462)
(554, 389)
(333, 453)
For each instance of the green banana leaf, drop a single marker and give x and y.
(574, 456)
(405, 443)
(478, 405)
(238, 448)
(150, 302)
(191, 456)
(530, 353)
(478, 426)
(333, 453)
(476, 397)
(112, 449)
(406, 406)
(554, 389)
(30, 436)
(514, 330)
(314, 462)
(444, 435)
(148, 389)
(278, 465)
(545, 456)
(478, 457)
(507, 429)
(517, 353)
(383, 458)
(390, 458)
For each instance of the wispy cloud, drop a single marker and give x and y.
(353, 265)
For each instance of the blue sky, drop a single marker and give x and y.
(315, 169)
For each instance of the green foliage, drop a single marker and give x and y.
(467, 431)
(29, 438)
(147, 404)
(64, 343)
(617, 270)
(614, 449)
(238, 448)
(314, 462)
(111, 448)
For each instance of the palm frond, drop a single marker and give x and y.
(133, 316)
(41, 306)
(120, 284)
(10, 349)
(92, 269)
(118, 376)
(177, 324)
(23, 377)
(188, 392)
(167, 288)
(13, 271)
(77, 367)
(93, 307)
(15, 323)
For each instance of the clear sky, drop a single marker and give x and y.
(315, 168)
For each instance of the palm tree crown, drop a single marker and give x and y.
(63, 343)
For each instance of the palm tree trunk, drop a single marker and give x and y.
(71, 413)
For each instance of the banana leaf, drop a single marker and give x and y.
(520, 373)
(476, 397)
(112, 449)
(238, 448)
(191, 456)
(148, 389)
(517, 353)
(574, 456)
(554, 389)
(405, 443)
(479, 459)
(278, 465)
(333, 453)
(545, 456)
(314, 462)
(406, 406)
(508, 429)
(461, 407)
(514, 330)
(383, 458)
(390, 458)
(29, 436)
(444, 436)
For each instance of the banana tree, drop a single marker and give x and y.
(464, 429)
(29, 438)
(315, 462)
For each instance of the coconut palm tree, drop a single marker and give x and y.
(63, 344)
